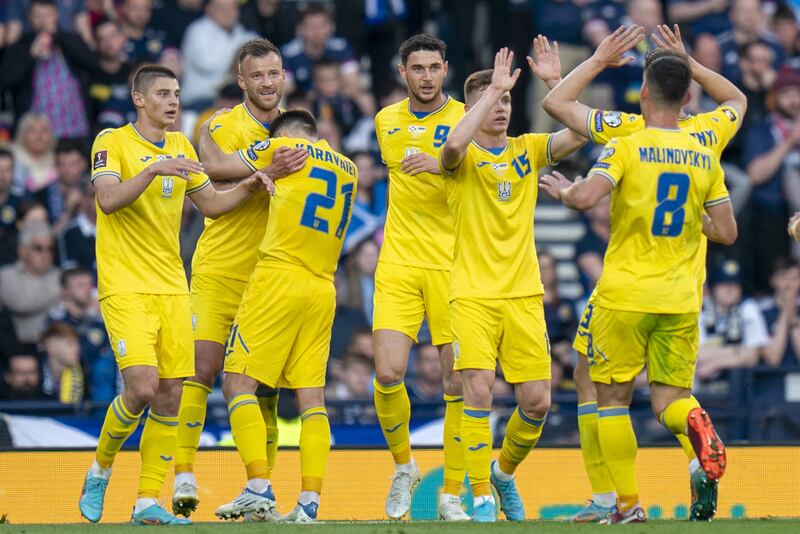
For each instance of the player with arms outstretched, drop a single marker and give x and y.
(141, 174)
(282, 330)
(647, 302)
(414, 269)
(224, 258)
(714, 130)
(496, 291)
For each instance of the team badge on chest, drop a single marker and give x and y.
(504, 190)
(167, 185)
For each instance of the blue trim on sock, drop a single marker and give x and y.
(477, 413)
(587, 409)
(157, 418)
(531, 420)
(241, 403)
(119, 415)
(391, 385)
(613, 412)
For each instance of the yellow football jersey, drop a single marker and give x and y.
(492, 197)
(663, 180)
(229, 244)
(311, 208)
(713, 129)
(137, 247)
(419, 228)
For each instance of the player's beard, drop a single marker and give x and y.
(254, 99)
(424, 100)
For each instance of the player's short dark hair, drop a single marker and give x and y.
(422, 42)
(6, 153)
(146, 75)
(668, 75)
(477, 81)
(257, 48)
(71, 273)
(312, 10)
(294, 118)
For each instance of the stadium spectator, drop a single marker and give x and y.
(109, 85)
(330, 102)
(29, 287)
(273, 19)
(781, 315)
(699, 16)
(72, 17)
(30, 212)
(209, 47)
(355, 379)
(172, 17)
(78, 308)
(62, 375)
(757, 75)
(63, 197)
(361, 265)
(369, 207)
(347, 320)
(8, 336)
(591, 247)
(76, 243)
(45, 71)
(314, 43)
(34, 153)
(748, 25)
(144, 43)
(22, 376)
(733, 333)
(784, 26)
(426, 383)
(706, 51)
(361, 342)
(10, 198)
(772, 160)
(561, 320)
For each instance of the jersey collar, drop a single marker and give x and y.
(430, 114)
(160, 145)
(493, 151)
(250, 114)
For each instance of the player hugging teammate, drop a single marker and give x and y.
(459, 250)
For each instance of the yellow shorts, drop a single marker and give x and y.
(214, 300)
(404, 295)
(152, 330)
(281, 335)
(581, 341)
(511, 330)
(623, 342)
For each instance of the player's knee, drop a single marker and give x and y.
(536, 407)
(387, 376)
(452, 384)
(141, 392)
(206, 371)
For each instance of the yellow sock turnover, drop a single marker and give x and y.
(117, 426)
(618, 444)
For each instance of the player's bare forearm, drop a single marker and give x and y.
(719, 224)
(458, 141)
(561, 102)
(113, 195)
(218, 165)
(214, 203)
(719, 88)
(565, 142)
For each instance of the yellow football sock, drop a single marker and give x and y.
(315, 444)
(476, 438)
(522, 433)
(159, 439)
(117, 426)
(593, 461)
(394, 412)
(249, 434)
(675, 417)
(191, 417)
(454, 467)
(269, 411)
(618, 444)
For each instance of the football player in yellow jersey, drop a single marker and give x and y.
(414, 269)
(714, 130)
(667, 190)
(225, 257)
(141, 174)
(281, 333)
(496, 291)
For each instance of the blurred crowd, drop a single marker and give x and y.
(64, 73)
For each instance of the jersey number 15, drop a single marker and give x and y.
(315, 201)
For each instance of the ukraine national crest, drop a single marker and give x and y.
(167, 185)
(504, 190)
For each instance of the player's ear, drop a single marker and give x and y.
(240, 81)
(687, 98)
(138, 99)
(402, 70)
(445, 69)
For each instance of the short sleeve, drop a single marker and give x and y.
(106, 156)
(539, 147)
(224, 135)
(717, 193)
(603, 126)
(258, 155)
(378, 136)
(725, 122)
(611, 162)
(197, 180)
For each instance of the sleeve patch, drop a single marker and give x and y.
(100, 159)
(612, 118)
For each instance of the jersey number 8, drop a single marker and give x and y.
(670, 204)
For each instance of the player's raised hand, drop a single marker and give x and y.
(287, 160)
(666, 38)
(180, 167)
(417, 163)
(545, 63)
(611, 50)
(503, 78)
(555, 183)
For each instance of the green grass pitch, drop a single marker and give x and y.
(537, 527)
